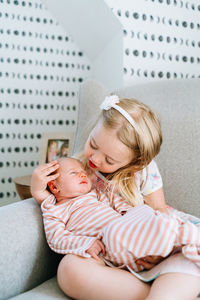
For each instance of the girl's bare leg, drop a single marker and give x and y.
(175, 286)
(87, 278)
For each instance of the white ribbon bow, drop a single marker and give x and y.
(109, 102)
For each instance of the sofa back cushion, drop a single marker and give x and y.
(91, 94)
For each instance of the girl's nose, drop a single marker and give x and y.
(96, 159)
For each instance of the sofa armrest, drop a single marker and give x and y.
(25, 258)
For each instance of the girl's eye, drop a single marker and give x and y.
(93, 146)
(109, 162)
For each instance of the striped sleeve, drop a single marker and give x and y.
(60, 239)
(117, 202)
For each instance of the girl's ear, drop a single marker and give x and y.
(53, 188)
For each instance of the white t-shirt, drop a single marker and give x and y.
(149, 179)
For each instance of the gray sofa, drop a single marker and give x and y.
(27, 265)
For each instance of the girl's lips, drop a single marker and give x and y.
(92, 165)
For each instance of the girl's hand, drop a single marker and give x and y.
(96, 248)
(40, 177)
(150, 261)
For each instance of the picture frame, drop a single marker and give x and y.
(55, 145)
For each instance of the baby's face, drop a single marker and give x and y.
(73, 180)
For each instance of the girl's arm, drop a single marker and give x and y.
(156, 200)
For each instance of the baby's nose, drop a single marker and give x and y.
(82, 175)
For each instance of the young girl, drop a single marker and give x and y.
(120, 150)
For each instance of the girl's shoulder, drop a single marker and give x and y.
(149, 179)
(152, 168)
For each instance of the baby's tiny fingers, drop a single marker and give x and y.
(146, 265)
(100, 247)
(103, 249)
(95, 256)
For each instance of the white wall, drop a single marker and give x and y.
(98, 33)
(161, 38)
(41, 68)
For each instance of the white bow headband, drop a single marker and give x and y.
(111, 101)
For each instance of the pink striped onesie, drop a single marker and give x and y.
(73, 226)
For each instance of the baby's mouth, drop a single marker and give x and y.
(83, 182)
(92, 165)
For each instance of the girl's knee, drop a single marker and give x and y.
(172, 286)
(74, 272)
(67, 274)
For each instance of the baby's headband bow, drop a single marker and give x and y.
(110, 102)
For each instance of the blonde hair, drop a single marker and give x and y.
(145, 142)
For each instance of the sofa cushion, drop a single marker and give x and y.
(48, 290)
(26, 260)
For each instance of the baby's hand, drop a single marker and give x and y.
(40, 177)
(149, 262)
(96, 248)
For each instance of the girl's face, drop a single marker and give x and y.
(104, 151)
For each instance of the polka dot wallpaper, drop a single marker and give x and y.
(161, 38)
(41, 69)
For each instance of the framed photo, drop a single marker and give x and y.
(55, 145)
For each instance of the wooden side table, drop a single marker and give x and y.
(23, 185)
